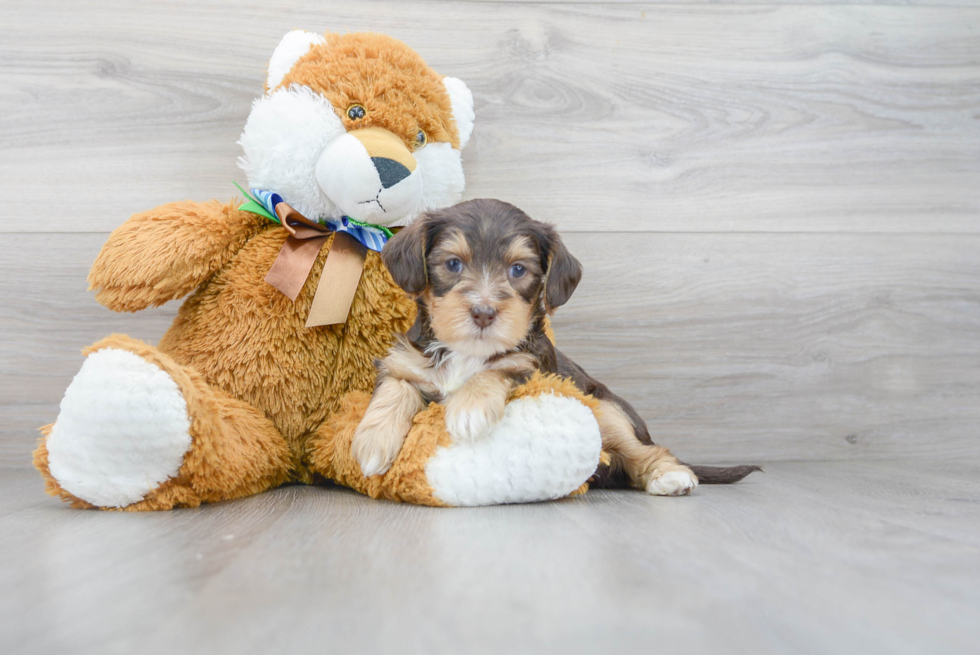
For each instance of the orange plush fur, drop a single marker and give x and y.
(240, 343)
(394, 84)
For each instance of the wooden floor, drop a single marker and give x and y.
(839, 558)
(778, 208)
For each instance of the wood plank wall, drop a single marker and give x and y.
(778, 204)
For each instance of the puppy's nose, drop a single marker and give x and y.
(483, 316)
(390, 171)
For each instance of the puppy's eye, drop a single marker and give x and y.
(420, 139)
(454, 265)
(356, 112)
(517, 270)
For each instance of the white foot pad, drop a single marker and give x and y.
(545, 447)
(122, 430)
(673, 483)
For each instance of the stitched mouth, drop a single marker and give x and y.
(376, 199)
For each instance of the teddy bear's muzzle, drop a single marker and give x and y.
(371, 175)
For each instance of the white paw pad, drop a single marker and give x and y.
(673, 483)
(122, 430)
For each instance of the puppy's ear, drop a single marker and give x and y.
(404, 256)
(562, 274)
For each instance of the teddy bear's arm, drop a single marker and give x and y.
(167, 252)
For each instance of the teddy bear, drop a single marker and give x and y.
(267, 369)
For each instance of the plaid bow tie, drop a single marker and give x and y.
(373, 237)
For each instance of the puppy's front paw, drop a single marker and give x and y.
(471, 421)
(375, 448)
(679, 482)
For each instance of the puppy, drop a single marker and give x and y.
(485, 277)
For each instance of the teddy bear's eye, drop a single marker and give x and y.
(356, 112)
(420, 139)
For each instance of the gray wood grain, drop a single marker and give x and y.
(733, 347)
(849, 557)
(625, 117)
(786, 346)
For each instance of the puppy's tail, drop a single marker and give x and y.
(722, 474)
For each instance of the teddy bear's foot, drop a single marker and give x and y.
(545, 447)
(122, 430)
(139, 431)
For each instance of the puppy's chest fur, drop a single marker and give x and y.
(439, 372)
(447, 372)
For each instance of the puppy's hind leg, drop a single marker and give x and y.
(379, 437)
(647, 466)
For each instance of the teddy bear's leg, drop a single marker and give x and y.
(547, 445)
(138, 431)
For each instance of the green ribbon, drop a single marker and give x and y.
(254, 206)
(388, 233)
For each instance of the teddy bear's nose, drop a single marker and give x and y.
(390, 171)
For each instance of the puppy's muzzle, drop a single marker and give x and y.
(371, 175)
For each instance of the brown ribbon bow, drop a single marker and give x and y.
(341, 272)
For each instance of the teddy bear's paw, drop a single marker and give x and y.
(679, 482)
(544, 447)
(471, 421)
(123, 429)
(375, 448)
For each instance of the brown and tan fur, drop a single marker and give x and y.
(485, 277)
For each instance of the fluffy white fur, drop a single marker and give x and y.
(123, 430)
(544, 448)
(455, 371)
(462, 102)
(441, 168)
(290, 49)
(293, 145)
(285, 144)
(282, 141)
(346, 174)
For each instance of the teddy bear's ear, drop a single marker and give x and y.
(462, 101)
(293, 46)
